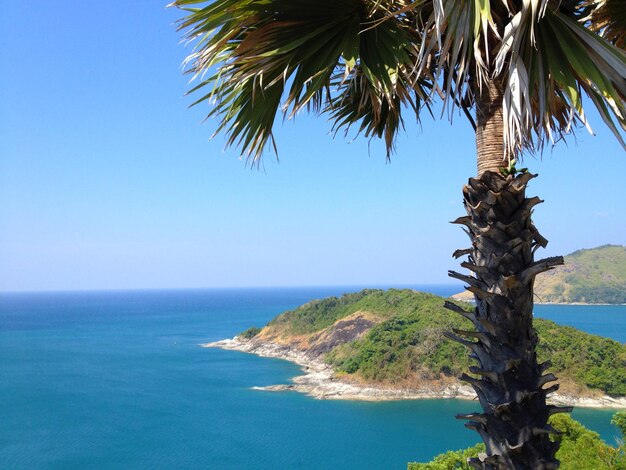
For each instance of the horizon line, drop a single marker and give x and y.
(266, 287)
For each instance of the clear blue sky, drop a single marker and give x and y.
(108, 181)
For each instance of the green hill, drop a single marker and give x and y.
(590, 276)
(396, 337)
(597, 275)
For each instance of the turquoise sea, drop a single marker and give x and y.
(117, 380)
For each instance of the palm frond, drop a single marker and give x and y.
(608, 19)
(262, 57)
(359, 101)
(551, 61)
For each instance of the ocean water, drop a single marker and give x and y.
(117, 380)
(602, 320)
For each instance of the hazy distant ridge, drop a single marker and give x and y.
(596, 275)
(589, 276)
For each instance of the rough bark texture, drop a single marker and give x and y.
(489, 129)
(507, 378)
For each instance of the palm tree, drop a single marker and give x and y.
(519, 71)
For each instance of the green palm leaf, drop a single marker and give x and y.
(263, 57)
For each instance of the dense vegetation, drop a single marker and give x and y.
(581, 449)
(597, 275)
(594, 361)
(318, 314)
(409, 343)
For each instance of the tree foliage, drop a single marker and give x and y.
(250, 332)
(619, 420)
(581, 449)
(366, 62)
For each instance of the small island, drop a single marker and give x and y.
(589, 276)
(390, 345)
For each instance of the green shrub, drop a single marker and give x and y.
(250, 332)
(581, 449)
(619, 420)
(450, 460)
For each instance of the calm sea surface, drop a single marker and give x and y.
(117, 380)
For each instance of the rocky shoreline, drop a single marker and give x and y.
(320, 381)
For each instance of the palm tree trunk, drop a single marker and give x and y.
(489, 129)
(507, 379)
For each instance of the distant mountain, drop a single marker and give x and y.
(593, 276)
(597, 275)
